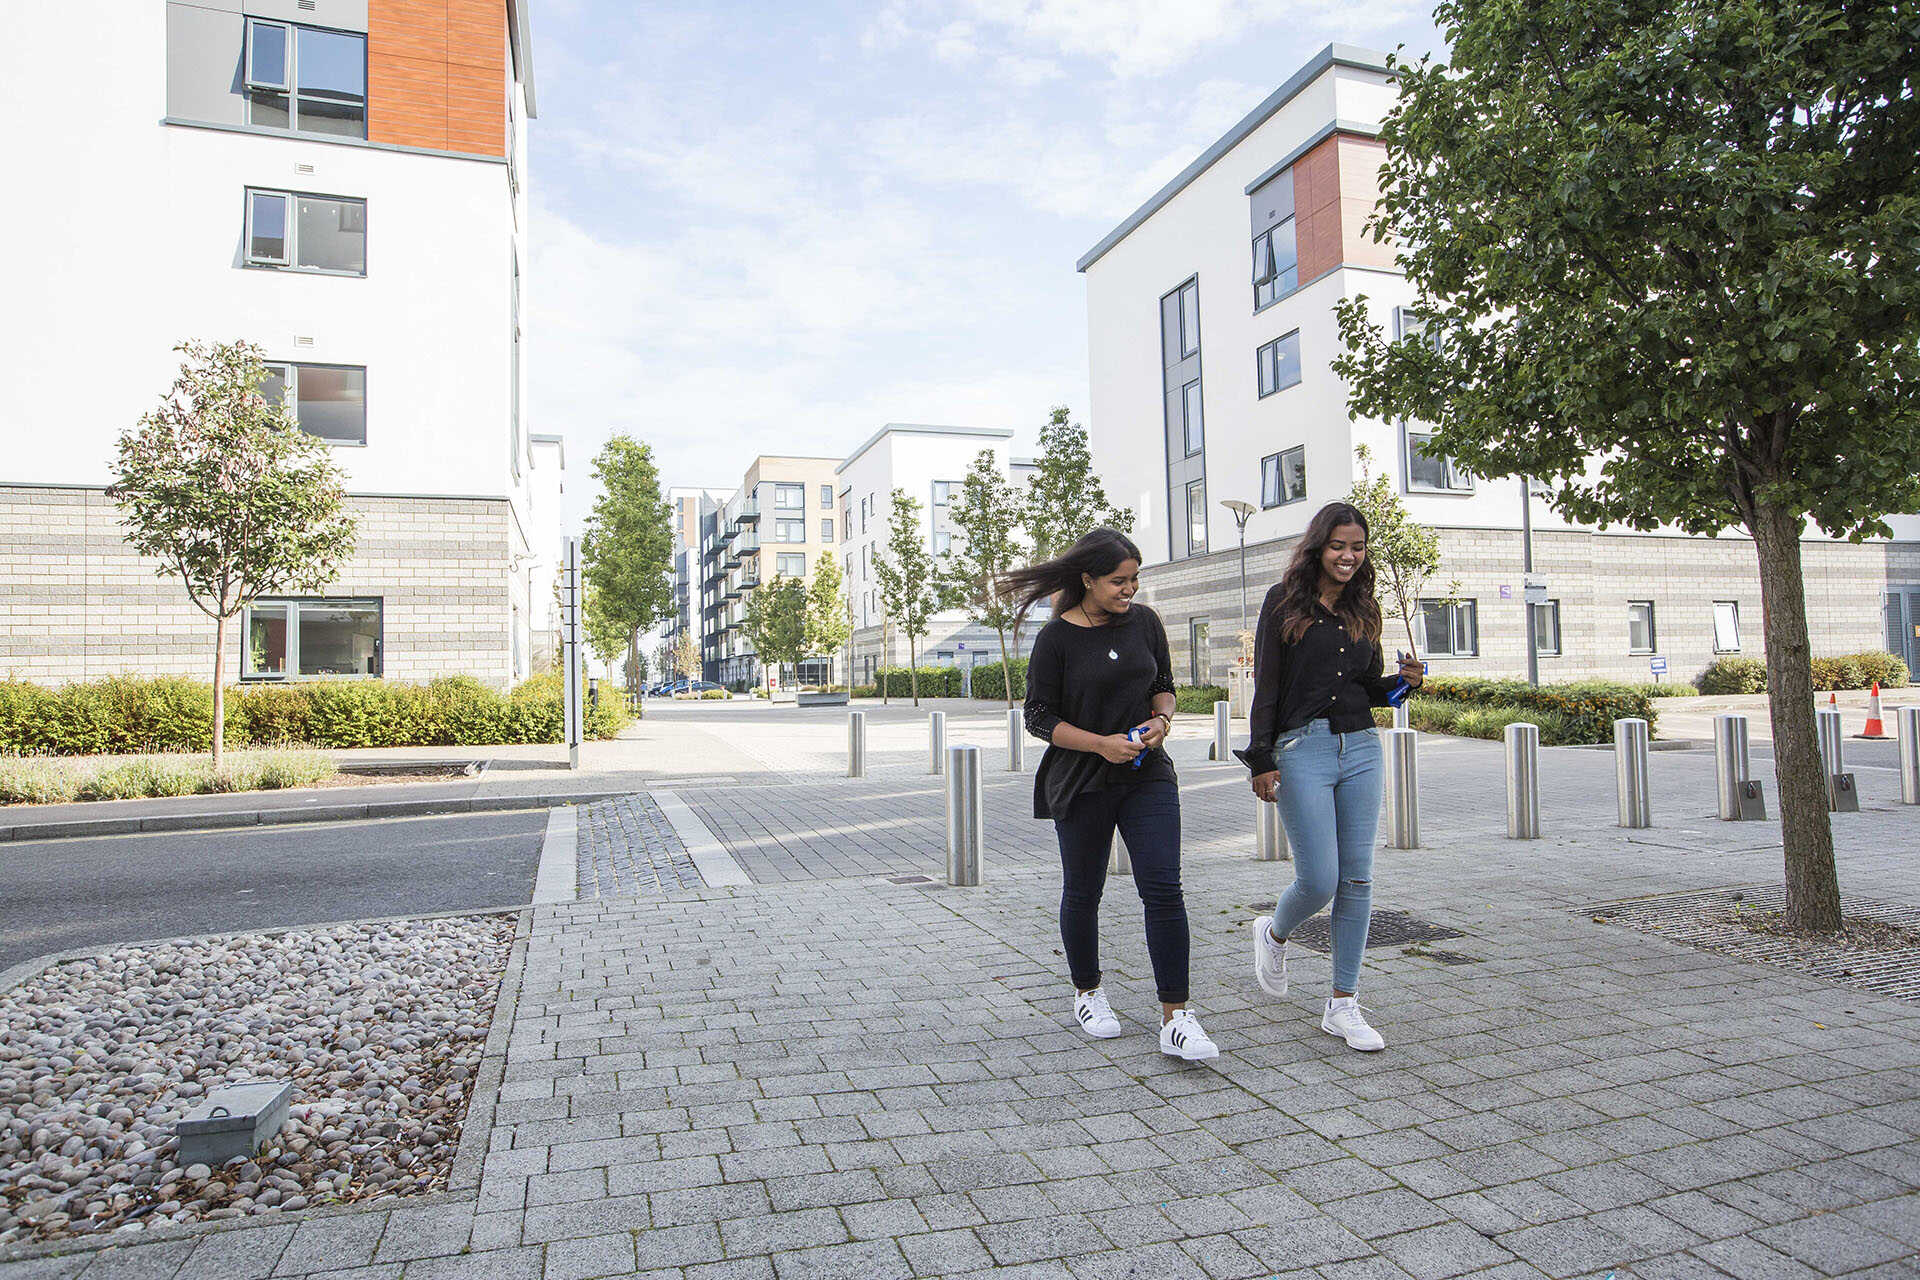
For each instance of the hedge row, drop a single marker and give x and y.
(1465, 720)
(1588, 708)
(1850, 671)
(125, 714)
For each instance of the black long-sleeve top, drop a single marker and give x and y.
(1324, 675)
(1100, 679)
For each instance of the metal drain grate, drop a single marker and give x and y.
(1700, 919)
(909, 879)
(1389, 929)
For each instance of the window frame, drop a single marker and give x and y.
(826, 530)
(1193, 415)
(290, 259)
(1407, 325)
(1260, 365)
(1200, 641)
(1653, 633)
(779, 556)
(291, 380)
(781, 489)
(782, 526)
(290, 61)
(293, 606)
(1734, 607)
(1203, 544)
(1555, 651)
(1279, 461)
(1189, 317)
(1272, 280)
(253, 82)
(826, 497)
(1454, 607)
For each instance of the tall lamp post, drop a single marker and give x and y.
(1242, 512)
(1527, 588)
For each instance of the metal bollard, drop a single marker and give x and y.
(1523, 782)
(936, 741)
(966, 815)
(1269, 834)
(1402, 717)
(1630, 772)
(1907, 720)
(1833, 750)
(1732, 767)
(1016, 739)
(1223, 732)
(1403, 790)
(856, 744)
(1120, 862)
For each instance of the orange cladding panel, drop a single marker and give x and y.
(437, 74)
(1360, 161)
(1316, 208)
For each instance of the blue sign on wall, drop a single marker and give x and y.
(1659, 665)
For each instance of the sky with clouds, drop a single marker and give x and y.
(771, 228)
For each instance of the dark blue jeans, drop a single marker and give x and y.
(1148, 818)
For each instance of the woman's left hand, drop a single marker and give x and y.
(1412, 670)
(1153, 733)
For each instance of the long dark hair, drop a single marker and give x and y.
(1357, 609)
(1097, 554)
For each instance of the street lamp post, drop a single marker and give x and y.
(1242, 512)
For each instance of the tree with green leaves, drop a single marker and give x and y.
(776, 624)
(1667, 259)
(663, 660)
(907, 587)
(686, 657)
(627, 552)
(223, 488)
(1404, 552)
(1064, 499)
(829, 621)
(985, 515)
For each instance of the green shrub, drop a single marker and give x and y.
(1733, 675)
(1587, 708)
(1830, 674)
(1466, 720)
(866, 691)
(935, 682)
(988, 682)
(1890, 671)
(44, 780)
(1668, 690)
(1197, 699)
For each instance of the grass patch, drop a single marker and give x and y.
(56, 780)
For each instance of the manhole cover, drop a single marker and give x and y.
(1389, 929)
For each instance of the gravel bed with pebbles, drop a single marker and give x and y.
(379, 1027)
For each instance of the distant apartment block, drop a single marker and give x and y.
(778, 523)
(341, 182)
(1211, 336)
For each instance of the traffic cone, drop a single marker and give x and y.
(1874, 729)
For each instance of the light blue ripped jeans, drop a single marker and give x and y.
(1329, 798)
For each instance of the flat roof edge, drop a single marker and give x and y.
(922, 429)
(1334, 55)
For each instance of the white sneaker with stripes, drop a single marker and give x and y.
(1182, 1037)
(1095, 1015)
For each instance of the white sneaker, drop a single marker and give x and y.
(1182, 1037)
(1344, 1019)
(1269, 958)
(1095, 1015)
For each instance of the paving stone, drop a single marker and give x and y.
(1383, 1213)
(333, 1243)
(425, 1232)
(1439, 1252)
(1832, 1246)
(498, 1264)
(777, 1232)
(1150, 1262)
(1309, 1241)
(157, 1261)
(245, 1253)
(940, 1253)
(590, 1257)
(678, 1246)
(864, 1260)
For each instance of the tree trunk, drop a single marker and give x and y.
(913, 666)
(886, 650)
(1006, 664)
(1813, 889)
(219, 690)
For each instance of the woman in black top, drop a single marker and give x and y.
(1317, 677)
(1100, 694)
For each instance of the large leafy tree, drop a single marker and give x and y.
(829, 621)
(775, 623)
(1404, 552)
(1668, 257)
(685, 656)
(221, 486)
(628, 547)
(985, 514)
(907, 587)
(1064, 499)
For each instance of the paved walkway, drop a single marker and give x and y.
(821, 1077)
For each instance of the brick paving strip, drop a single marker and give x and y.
(627, 847)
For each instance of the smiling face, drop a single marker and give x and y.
(1341, 558)
(1113, 592)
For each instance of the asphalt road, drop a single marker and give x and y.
(72, 895)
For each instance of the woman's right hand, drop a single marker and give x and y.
(1266, 784)
(1116, 749)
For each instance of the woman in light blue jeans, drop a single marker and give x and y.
(1318, 674)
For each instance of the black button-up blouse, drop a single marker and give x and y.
(1324, 675)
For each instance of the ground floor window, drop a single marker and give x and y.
(1451, 627)
(1726, 626)
(1199, 661)
(1640, 633)
(311, 638)
(1546, 628)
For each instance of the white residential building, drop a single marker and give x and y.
(1211, 333)
(341, 182)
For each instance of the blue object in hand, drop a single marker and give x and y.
(1401, 690)
(1137, 735)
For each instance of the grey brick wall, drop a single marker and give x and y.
(77, 603)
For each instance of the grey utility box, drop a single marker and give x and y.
(233, 1120)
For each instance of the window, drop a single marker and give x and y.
(826, 530)
(1283, 477)
(942, 542)
(1451, 628)
(1428, 469)
(1199, 655)
(1197, 517)
(1726, 626)
(306, 79)
(1278, 363)
(328, 400)
(866, 505)
(1192, 428)
(790, 497)
(311, 638)
(826, 497)
(790, 564)
(306, 233)
(866, 561)
(846, 516)
(1276, 259)
(1546, 628)
(1190, 318)
(1641, 637)
(942, 492)
(789, 530)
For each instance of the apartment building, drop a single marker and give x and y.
(928, 463)
(687, 505)
(343, 183)
(1211, 334)
(778, 523)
